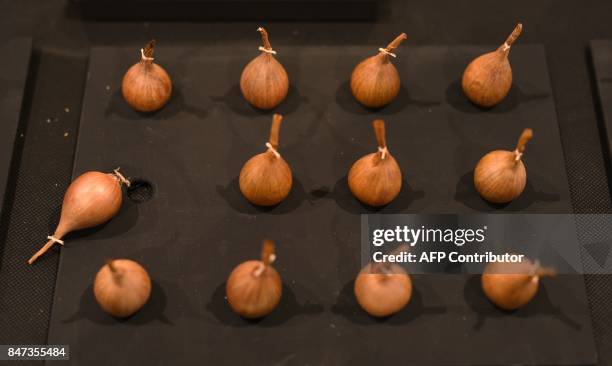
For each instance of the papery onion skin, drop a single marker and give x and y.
(512, 285)
(253, 298)
(92, 199)
(487, 80)
(254, 288)
(146, 86)
(383, 294)
(264, 83)
(374, 180)
(500, 176)
(375, 81)
(266, 178)
(122, 287)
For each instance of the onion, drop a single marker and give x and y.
(122, 287)
(264, 82)
(383, 289)
(254, 288)
(488, 78)
(376, 179)
(146, 86)
(266, 179)
(511, 285)
(91, 199)
(500, 176)
(375, 82)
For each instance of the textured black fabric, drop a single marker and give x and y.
(600, 286)
(564, 27)
(46, 148)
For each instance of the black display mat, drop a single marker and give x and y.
(197, 226)
(601, 52)
(13, 74)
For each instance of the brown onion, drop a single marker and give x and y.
(488, 78)
(146, 86)
(376, 179)
(122, 287)
(264, 82)
(90, 200)
(500, 176)
(375, 82)
(254, 288)
(383, 289)
(511, 285)
(266, 179)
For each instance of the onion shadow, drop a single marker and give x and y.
(457, 99)
(287, 309)
(348, 307)
(232, 195)
(466, 194)
(152, 310)
(346, 100)
(343, 197)
(234, 100)
(540, 305)
(318, 193)
(119, 107)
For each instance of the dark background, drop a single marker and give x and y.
(43, 157)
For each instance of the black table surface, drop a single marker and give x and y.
(198, 226)
(61, 45)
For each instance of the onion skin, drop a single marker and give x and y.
(510, 286)
(500, 176)
(254, 288)
(375, 81)
(92, 199)
(264, 82)
(375, 180)
(266, 178)
(146, 86)
(488, 78)
(122, 287)
(383, 293)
